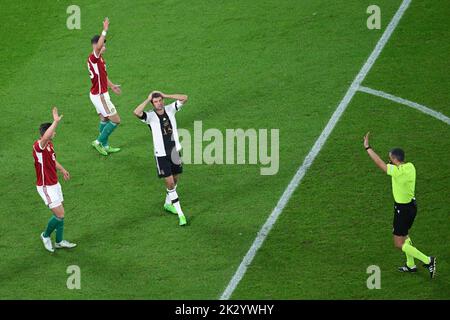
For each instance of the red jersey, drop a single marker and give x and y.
(98, 74)
(45, 164)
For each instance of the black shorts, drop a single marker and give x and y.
(169, 165)
(404, 215)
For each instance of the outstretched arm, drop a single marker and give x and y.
(49, 132)
(372, 154)
(62, 170)
(101, 41)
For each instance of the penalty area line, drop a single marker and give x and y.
(407, 103)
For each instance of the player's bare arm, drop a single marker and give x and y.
(114, 87)
(372, 154)
(139, 111)
(101, 41)
(63, 171)
(181, 97)
(48, 135)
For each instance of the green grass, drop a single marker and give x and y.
(244, 64)
(339, 220)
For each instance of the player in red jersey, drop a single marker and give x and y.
(109, 118)
(47, 183)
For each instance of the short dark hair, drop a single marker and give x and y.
(156, 95)
(398, 154)
(43, 127)
(95, 39)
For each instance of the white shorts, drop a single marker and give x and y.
(52, 195)
(103, 104)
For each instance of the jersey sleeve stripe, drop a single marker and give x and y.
(144, 116)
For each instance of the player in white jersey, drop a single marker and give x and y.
(163, 126)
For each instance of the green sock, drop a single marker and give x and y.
(106, 132)
(412, 251)
(409, 259)
(102, 125)
(51, 225)
(60, 230)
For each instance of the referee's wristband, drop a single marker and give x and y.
(369, 147)
(104, 33)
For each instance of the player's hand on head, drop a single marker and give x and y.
(158, 92)
(106, 24)
(151, 95)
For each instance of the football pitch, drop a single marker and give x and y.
(260, 64)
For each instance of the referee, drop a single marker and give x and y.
(403, 176)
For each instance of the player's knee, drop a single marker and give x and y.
(59, 212)
(398, 244)
(170, 184)
(116, 120)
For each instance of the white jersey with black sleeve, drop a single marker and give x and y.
(153, 121)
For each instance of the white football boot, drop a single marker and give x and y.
(47, 243)
(65, 244)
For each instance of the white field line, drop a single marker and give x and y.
(265, 229)
(408, 103)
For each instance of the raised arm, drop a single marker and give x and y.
(139, 111)
(182, 97)
(372, 154)
(49, 132)
(101, 41)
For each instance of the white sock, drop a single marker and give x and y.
(168, 201)
(176, 203)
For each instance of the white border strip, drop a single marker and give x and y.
(265, 229)
(408, 103)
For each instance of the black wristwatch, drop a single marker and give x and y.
(369, 147)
